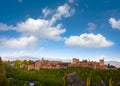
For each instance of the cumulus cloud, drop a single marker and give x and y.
(43, 28)
(62, 11)
(114, 23)
(4, 27)
(91, 26)
(88, 41)
(21, 42)
(33, 29)
(40, 28)
(46, 11)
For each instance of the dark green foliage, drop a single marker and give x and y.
(57, 77)
(110, 66)
(65, 80)
(3, 79)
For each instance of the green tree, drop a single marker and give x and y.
(65, 80)
(110, 82)
(3, 80)
(2, 74)
(88, 81)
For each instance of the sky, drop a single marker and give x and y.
(60, 29)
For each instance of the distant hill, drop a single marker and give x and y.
(33, 58)
(115, 63)
(20, 58)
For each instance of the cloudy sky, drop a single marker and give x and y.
(60, 29)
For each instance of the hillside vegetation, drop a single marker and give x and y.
(56, 77)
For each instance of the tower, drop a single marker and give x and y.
(101, 62)
(75, 61)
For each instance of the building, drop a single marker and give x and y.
(30, 67)
(45, 64)
(88, 64)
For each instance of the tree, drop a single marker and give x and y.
(88, 81)
(2, 74)
(3, 79)
(111, 66)
(65, 80)
(110, 82)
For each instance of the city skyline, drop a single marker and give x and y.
(60, 29)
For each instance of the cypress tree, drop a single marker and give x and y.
(110, 82)
(3, 79)
(88, 81)
(65, 80)
(2, 74)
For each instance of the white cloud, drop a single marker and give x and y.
(21, 42)
(46, 12)
(40, 28)
(4, 27)
(70, 1)
(62, 11)
(34, 29)
(91, 26)
(88, 41)
(115, 23)
(43, 28)
(65, 11)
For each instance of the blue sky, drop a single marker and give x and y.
(60, 29)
